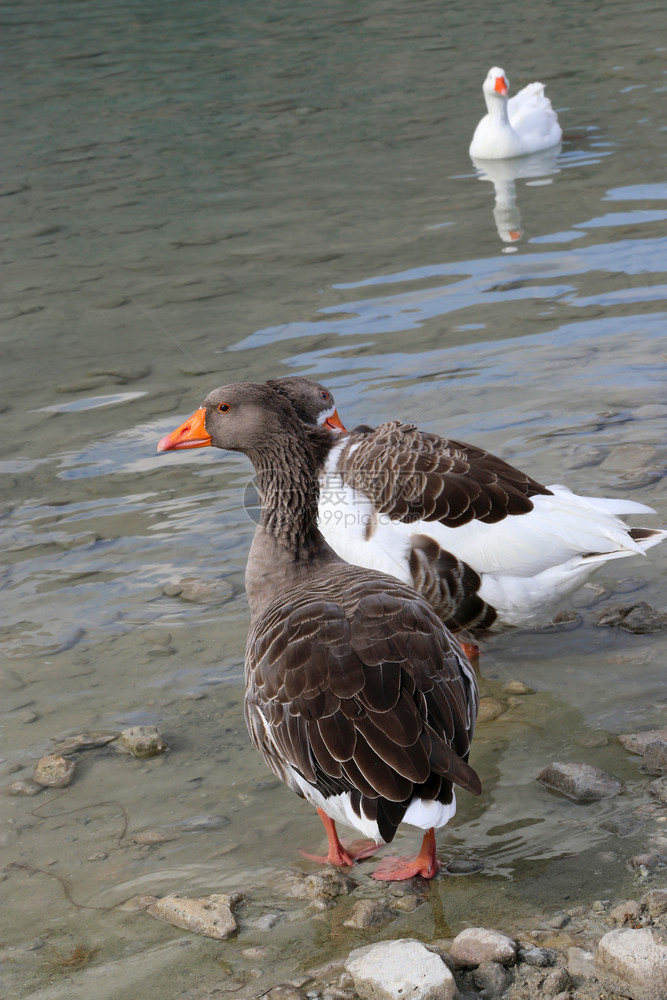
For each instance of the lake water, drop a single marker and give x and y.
(196, 194)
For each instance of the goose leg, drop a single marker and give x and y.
(398, 869)
(472, 652)
(339, 855)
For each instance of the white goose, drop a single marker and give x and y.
(526, 123)
(404, 501)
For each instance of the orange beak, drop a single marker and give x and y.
(334, 423)
(191, 434)
(501, 85)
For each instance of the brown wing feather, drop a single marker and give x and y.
(413, 475)
(363, 692)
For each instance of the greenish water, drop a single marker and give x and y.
(196, 195)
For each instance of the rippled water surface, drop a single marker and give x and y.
(194, 194)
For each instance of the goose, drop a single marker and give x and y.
(404, 501)
(526, 123)
(356, 695)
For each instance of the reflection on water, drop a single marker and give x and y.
(245, 192)
(503, 175)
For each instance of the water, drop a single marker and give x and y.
(246, 190)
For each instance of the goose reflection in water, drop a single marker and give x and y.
(503, 174)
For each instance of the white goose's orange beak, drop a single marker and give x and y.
(191, 434)
(334, 423)
(501, 85)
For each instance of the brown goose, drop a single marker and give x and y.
(398, 499)
(357, 696)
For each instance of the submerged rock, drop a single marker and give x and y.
(634, 962)
(400, 970)
(142, 741)
(579, 782)
(638, 742)
(368, 913)
(210, 916)
(638, 617)
(655, 758)
(54, 771)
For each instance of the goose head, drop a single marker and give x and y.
(313, 403)
(495, 87)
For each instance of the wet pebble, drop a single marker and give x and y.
(208, 822)
(200, 591)
(142, 741)
(85, 741)
(649, 861)
(368, 913)
(152, 837)
(489, 708)
(556, 982)
(579, 782)
(517, 688)
(628, 912)
(394, 970)
(491, 977)
(322, 887)
(658, 790)
(463, 866)
(534, 955)
(639, 618)
(638, 742)
(656, 901)
(655, 758)
(633, 962)
(475, 945)
(54, 771)
(210, 916)
(23, 786)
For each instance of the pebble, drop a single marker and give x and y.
(658, 790)
(533, 955)
(655, 758)
(23, 786)
(490, 977)
(626, 913)
(324, 885)
(142, 741)
(489, 708)
(396, 970)
(656, 900)
(475, 945)
(646, 862)
(633, 962)
(200, 591)
(637, 742)
(556, 982)
(152, 837)
(639, 618)
(463, 866)
(580, 962)
(517, 688)
(208, 822)
(54, 771)
(210, 916)
(579, 782)
(368, 913)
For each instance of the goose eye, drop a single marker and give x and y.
(324, 394)
(224, 408)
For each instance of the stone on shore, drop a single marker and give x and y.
(400, 970)
(54, 771)
(142, 741)
(655, 758)
(579, 782)
(476, 945)
(210, 916)
(633, 962)
(638, 742)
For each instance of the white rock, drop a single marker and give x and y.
(633, 962)
(580, 962)
(475, 945)
(400, 970)
(210, 916)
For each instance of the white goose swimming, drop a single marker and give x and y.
(405, 502)
(523, 124)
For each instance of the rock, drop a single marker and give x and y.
(657, 790)
(489, 708)
(581, 962)
(193, 824)
(210, 916)
(556, 982)
(150, 838)
(517, 688)
(579, 782)
(626, 913)
(475, 945)
(638, 617)
(200, 591)
(368, 913)
(656, 900)
(54, 771)
(655, 758)
(490, 977)
(283, 991)
(323, 885)
(637, 742)
(533, 955)
(463, 866)
(634, 962)
(142, 741)
(23, 786)
(647, 861)
(85, 741)
(400, 970)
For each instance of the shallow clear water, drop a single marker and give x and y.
(248, 190)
